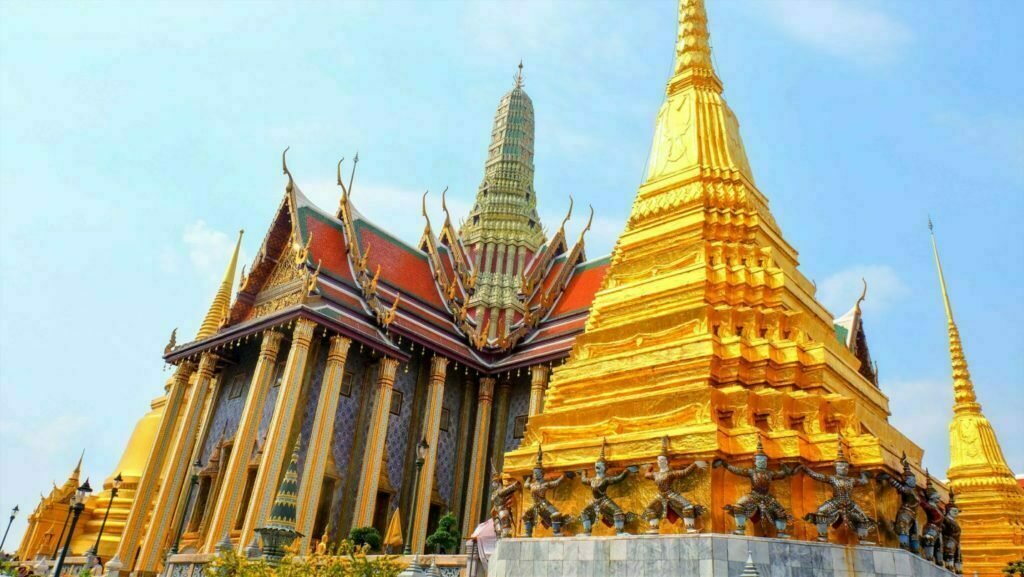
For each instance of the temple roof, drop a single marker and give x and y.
(381, 290)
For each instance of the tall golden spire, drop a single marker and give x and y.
(222, 300)
(964, 399)
(695, 131)
(991, 502)
(693, 43)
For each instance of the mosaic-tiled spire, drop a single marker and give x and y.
(503, 230)
(282, 514)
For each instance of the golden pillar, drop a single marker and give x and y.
(177, 466)
(478, 463)
(501, 423)
(538, 386)
(431, 432)
(229, 501)
(372, 456)
(275, 449)
(150, 479)
(310, 483)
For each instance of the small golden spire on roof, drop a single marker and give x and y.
(519, 75)
(221, 305)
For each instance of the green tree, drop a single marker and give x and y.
(446, 538)
(365, 536)
(1014, 568)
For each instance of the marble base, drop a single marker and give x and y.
(700, 555)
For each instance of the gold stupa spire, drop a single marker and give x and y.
(222, 300)
(696, 131)
(964, 398)
(991, 502)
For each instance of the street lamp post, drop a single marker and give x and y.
(60, 538)
(14, 513)
(113, 493)
(196, 467)
(421, 455)
(77, 506)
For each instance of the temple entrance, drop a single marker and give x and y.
(380, 512)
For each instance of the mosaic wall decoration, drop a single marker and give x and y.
(518, 405)
(444, 470)
(399, 426)
(311, 391)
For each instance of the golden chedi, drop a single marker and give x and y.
(705, 331)
(990, 499)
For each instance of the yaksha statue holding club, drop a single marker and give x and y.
(932, 534)
(841, 508)
(951, 536)
(759, 504)
(906, 518)
(669, 503)
(542, 509)
(501, 503)
(602, 506)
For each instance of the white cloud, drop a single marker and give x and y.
(844, 28)
(840, 290)
(926, 424)
(209, 250)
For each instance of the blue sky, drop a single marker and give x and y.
(137, 138)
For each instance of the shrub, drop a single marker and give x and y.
(446, 538)
(347, 560)
(365, 536)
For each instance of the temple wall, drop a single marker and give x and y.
(518, 407)
(444, 473)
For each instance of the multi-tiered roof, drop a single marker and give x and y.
(494, 295)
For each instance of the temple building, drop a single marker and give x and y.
(359, 345)
(341, 348)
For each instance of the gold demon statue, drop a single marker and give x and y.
(669, 503)
(841, 508)
(759, 504)
(602, 506)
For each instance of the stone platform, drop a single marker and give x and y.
(699, 556)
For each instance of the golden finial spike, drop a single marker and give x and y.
(519, 75)
(693, 43)
(568, 215)
(942, 278)
(964, 398)
(352, 175)
(284, 164)
(172, 342)
(344, 190)
(221, 305)
(78, 467)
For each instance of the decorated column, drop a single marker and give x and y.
(320, 439)
(275, 448)
(230, 498)
(431, 431)
(178, 466)
(477, 481)
(374, 453)
(501, 423)
(150, 479)
(538, 386)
